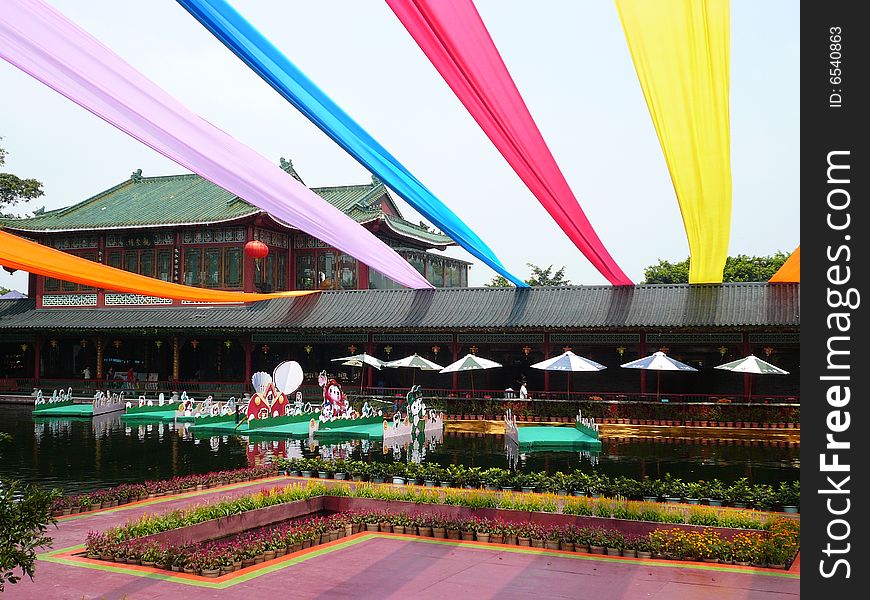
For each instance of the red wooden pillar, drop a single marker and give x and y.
(641, 351)
(249, 265)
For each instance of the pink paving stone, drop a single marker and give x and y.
(394, 567)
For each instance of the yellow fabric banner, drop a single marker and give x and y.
(790, 271)
(18, 253)
(681, 52)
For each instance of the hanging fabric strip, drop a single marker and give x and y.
(790, 271)
(453, 36)
(43, 43)
(681, 51)
(246, 42)
(18, 253)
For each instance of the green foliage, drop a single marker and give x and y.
(25, 514)
(540, 276)
(14, 189)
(737, 268)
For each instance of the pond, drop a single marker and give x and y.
(81, 455)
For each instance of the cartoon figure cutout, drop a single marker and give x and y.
(270, 395)
(334, 400)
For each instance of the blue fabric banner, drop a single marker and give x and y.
(266, 60)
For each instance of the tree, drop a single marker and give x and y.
(539, 277)
(13, 189)
(737, 268)
(25, 514)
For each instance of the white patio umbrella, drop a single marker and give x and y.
(569, 362)
(360, 360)
(472, 363)
(658, 362)
(415, 361)
(753, 365)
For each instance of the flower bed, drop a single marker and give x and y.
(714, 493)
(132, 492)
(127, 544)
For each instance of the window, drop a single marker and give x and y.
(213, 267)
(281, 272)
(417, 261)
(347, 272)
(192, 266)
(164, 265)
(326, 270)
(233, 267)
(378, 282)
(305, 271)
(452, 279)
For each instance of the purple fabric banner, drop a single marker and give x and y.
(42, 42)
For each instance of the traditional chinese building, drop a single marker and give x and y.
(184, 229)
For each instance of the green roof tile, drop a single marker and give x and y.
(191, 200)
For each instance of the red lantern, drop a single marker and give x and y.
(256, 249)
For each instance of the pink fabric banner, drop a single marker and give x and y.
(45, 44)
(453, 36)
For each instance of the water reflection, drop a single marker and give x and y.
(85, 454)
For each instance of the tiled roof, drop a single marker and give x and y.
(734, 305)
(191, 200)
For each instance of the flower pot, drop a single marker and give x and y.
(306, 473)
(710, 560)
(74, 510)
(357, 478)
(280, 552)
(691, 500)
(489, 488)
(424, 531)
(629, 553)
(210, 573)
(738, 504)
(537, 543)
(333, 535)
(552, 544)
(468, 536)
(259, 559)
(496, 538)
(429, 483)
(776, 566)
(523, 541)
(176, 569)
(398, 480)
(444, 483)
(507, 488)
(567, 546)
(340, 476)
(398, 529)
(614, 552)
(246, 562)
(713, 502)
(527, 489)
(296, 547)
(385, 527)
(439, 532)
(323, 474)
(757, 564)
(596, 549)
(371, 527)
(790, 509)
(147, 563)
(307, 543)
(483, 537)
(742, 563)
(453, 534)
(642, 554)
(190, 571)
(226, 570)
(650, 498)
(121, 560)
(377, 479)
(671, 500)
(269, 555)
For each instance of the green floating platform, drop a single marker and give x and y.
(220, 428)
(284, 430)
(67, 410)
(556, 438)
(154, 416)
(356, 432)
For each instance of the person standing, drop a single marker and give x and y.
(131, 378)
(524, 392)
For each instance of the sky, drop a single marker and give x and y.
(569, 60)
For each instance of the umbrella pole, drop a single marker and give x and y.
(472, 382)
(658, 379)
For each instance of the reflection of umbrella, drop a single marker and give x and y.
(658, 362)
(568, 361)
(752, 364)
(360, 360)
(470, 362)
(415, 361)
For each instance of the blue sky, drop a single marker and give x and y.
(569, 60)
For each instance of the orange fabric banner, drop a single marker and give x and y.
(18, 253)
(790, 271)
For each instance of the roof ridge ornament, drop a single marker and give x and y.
(376, 181)
(286, 165)
(136, 176)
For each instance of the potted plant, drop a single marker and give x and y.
(524, 534)
(788, 495)
(553, 537)
(745, 548)
(339, 469)
(377, 472)
(439, 528)
(651, 489)
(359, 470)
(496, 531)
(692, 492)
(151, 555)
(597, 541)
(673, 489)
(615, 543)
(538, 535)
(641, 547)
(762, 496)
(714, 492)
(739, 493)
